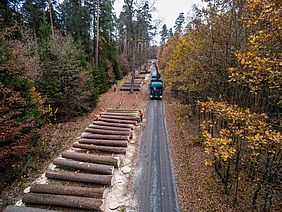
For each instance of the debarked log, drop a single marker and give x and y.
(111, 149)
(106, 132)
(102, 159)
(64, 201)
(68, 190)
(132, 118)
(118, 121)
(126, 126)
(118, 143)
(83, 166)
(81, 177)
(106, 137)
(96, 126)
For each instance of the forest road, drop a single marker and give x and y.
(155, 185)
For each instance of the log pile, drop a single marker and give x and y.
(88, 168)
(138, 82)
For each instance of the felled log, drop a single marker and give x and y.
(140, 77)
(129, 86)
(96, 126)
(102, 159)
(105, 137)
(68, 190)
(128, 89)
(111, 149)
(12, 208)
(134, 114)
(118, 121)
(121, 110)
(79, 177)
(63, 201)
(126, 126)
(119, 143)
(91, 167)
(135, 118)
(106, 132)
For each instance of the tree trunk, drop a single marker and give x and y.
(118, 121)
(126, 126)
(113, 110)
(135, 118)
(64, 201)
(107, 132)
(94, 126)
(117, 143)
(68, 190)
(97, 34)
(109, 160)
(83, 178)
(91, 167)
(106, 137)
(121, 150)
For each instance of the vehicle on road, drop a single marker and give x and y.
(156, 89)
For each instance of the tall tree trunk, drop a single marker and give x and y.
(51, 18)
(97, 34)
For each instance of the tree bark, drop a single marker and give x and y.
(97, 34)
(79, 177)
(68, 190)
(134, 114)
(121, 110)
(117, 143)
(94, 126)
(109, 160)
(110, 149)
(118, 121)
(126, 126)
(51, 18)
(129, 89)
(91, 167)
(107, 132)
(106, 137)
(120, 117)
(64, 201)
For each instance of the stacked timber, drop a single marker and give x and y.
(87, 169)
(138, 82)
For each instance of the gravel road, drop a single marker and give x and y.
(155, 187)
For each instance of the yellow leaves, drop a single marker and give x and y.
(208, 162)
(243, 126)
(258, 63)
(220, 147)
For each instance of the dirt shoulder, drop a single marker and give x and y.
(196, 186)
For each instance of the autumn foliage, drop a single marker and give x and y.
(226, 68)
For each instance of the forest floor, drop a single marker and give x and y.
(196, 186)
